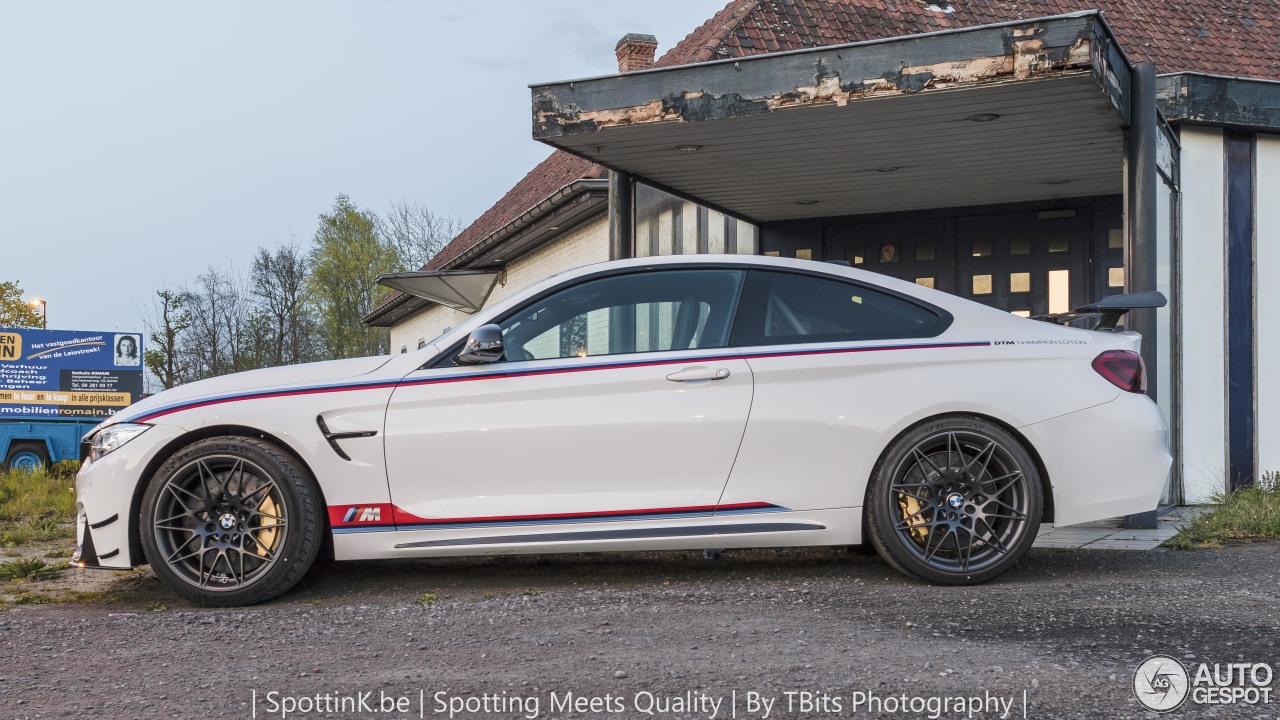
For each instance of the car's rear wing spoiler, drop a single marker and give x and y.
(1109, 309)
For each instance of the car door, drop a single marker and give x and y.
(617, 400)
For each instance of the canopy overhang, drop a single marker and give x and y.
(464, 290)
(1027, 110)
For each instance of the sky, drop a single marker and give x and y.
(141, 143)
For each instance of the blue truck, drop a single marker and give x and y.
(56, 385)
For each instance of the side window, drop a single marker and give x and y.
(649, 311)
(780, 308)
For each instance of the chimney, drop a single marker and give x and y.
(635, 52)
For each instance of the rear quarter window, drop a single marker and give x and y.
(781, 308)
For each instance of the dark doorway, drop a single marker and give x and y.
(1030, 259)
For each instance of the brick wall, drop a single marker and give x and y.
(635, 52)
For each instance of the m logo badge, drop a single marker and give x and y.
(363, 514)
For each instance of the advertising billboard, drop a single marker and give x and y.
(70, 374)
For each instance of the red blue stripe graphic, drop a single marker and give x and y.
(378, 517)
(529, 372)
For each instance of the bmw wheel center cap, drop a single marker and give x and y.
(955, 500)
(227, 521)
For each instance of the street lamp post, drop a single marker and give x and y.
(44, 312)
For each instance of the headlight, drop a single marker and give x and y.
(112, 437)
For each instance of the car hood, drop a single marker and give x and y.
(287, 376)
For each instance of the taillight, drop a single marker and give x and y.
(1124, 369)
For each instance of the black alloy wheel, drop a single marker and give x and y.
(230, 521)
(955, 501)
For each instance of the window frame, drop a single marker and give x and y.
(445, 359)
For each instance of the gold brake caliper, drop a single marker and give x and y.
(911, 513)
(267, 537)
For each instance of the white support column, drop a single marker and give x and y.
(1267, 302)
(1203, 261)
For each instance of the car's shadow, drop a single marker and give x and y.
(400, 582)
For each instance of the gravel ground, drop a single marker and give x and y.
(1066, 627)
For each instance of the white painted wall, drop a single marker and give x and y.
(585, 244)
(1267, 306)
(1203, 261)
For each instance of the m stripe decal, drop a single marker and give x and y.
(531, 372)
(346, 519)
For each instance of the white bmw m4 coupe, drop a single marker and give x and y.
(649, 404)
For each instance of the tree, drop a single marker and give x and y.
(167, 322)
(16, 312)
(416, 232)
(218, 340)
(283, 299)
(347, 255)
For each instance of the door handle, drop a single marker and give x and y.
(698, 372)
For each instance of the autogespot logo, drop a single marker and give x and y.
(1161, 683)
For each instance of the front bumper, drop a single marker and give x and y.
(105, 491)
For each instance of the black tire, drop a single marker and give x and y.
(24, 455)
(954, 501)
(231, 521)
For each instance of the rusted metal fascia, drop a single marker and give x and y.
(1220, 101)
(1112, 69)
(837, 75)
(1168, 153)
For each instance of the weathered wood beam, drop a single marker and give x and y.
(949, 60)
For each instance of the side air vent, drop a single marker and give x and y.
(333, 437)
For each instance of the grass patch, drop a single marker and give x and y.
(38, 506)
(40, 495)
(427, 598)
(80, 597)
(29, 569)
(1243, 516)
(34, 530)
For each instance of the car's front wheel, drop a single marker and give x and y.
(231, 521)
(955, 501)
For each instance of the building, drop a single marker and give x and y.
(1033, 156)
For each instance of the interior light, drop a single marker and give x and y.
(688, 148)
(984, 117)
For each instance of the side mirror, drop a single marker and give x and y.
(483, 346)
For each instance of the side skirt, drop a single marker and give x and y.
(841, 526)
(622, 534)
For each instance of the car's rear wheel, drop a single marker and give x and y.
(231, 521)
(956, 501)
